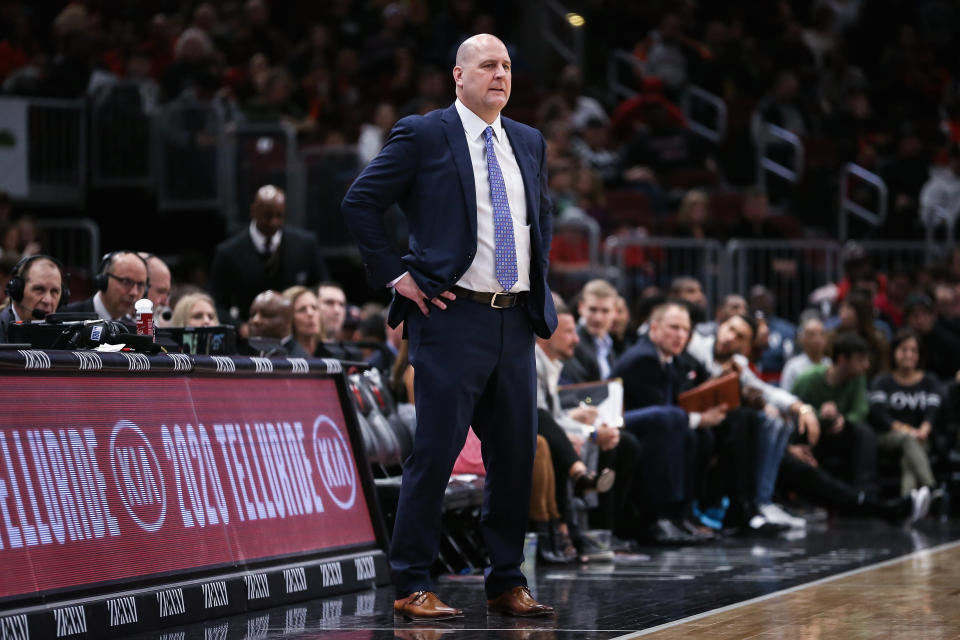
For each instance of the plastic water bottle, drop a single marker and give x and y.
(144, 308)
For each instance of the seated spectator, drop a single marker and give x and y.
(889, 303)
(768, 408)
(781, 334)
(594, 356)
(574, 435)
(693, 217)
(856, 315)
(374, 330)
(941, 346)
(940, 196)
(374, 133)
(195, 310)
(34, 289)
(570, 102)
(160, 284)
(733, 304)
(621, 329)
(121, 282)
(838, 392)
(652, 376)
(689, 289)
(596, 150)
(271, 326)
(813, 341)
(333, 316)
(756, 223)
(273, 104)
(661, 149)
(904, 404)
(307, 324)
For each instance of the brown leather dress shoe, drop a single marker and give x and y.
(424, 605)
(519, 602)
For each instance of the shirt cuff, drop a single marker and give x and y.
(694, 419)
(393, 283)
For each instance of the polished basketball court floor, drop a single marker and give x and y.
(848, 579)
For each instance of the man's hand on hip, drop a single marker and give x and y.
(408, 288)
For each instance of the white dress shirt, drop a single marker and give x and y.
(481, 276)
(260, 240)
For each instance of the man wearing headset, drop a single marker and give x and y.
(34, 290)
(121, 282)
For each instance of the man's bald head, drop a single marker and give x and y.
(271, 316)
(469, 47)
(269, 210)
(483, 76)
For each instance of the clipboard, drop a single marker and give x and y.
(605, 395)
(722, 390)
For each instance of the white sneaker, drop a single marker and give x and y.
(921, 503)
(774, 513)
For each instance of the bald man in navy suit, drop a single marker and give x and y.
(472, 293)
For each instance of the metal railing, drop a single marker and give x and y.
(791, 269)
(259, 154)
(56, 151)
(189, 161)
(699, 102)
(770, 137)
(641, 261)
(849, 206)
(888, 255)
(329, 172)
(75, 242)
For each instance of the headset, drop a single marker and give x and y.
(102, 280)
(17, 284)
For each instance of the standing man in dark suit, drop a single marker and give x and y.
(267, 255)
(472, 292)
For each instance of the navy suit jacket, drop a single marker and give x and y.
(425, 168)
(237, 273)
(646, 380)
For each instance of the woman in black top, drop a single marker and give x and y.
(904, 403)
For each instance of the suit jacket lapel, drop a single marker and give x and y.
(453, 131)
(527, 168)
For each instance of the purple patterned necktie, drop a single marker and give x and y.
(505, 249)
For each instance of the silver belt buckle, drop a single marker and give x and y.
(493, 300)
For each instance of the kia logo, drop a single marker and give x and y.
(334, 462)
(137, 473)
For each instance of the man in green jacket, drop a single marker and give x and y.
(847, 446)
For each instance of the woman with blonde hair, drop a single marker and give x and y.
(195, 310)
(307, 321)
(693, 216)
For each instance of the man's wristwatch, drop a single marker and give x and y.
(805, 409)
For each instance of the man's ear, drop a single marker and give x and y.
(458, 76)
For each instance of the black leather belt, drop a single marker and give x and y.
(500, 300)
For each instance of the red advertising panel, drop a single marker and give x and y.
(110, 478)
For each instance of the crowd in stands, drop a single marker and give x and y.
(852, 405)
(858, 81)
